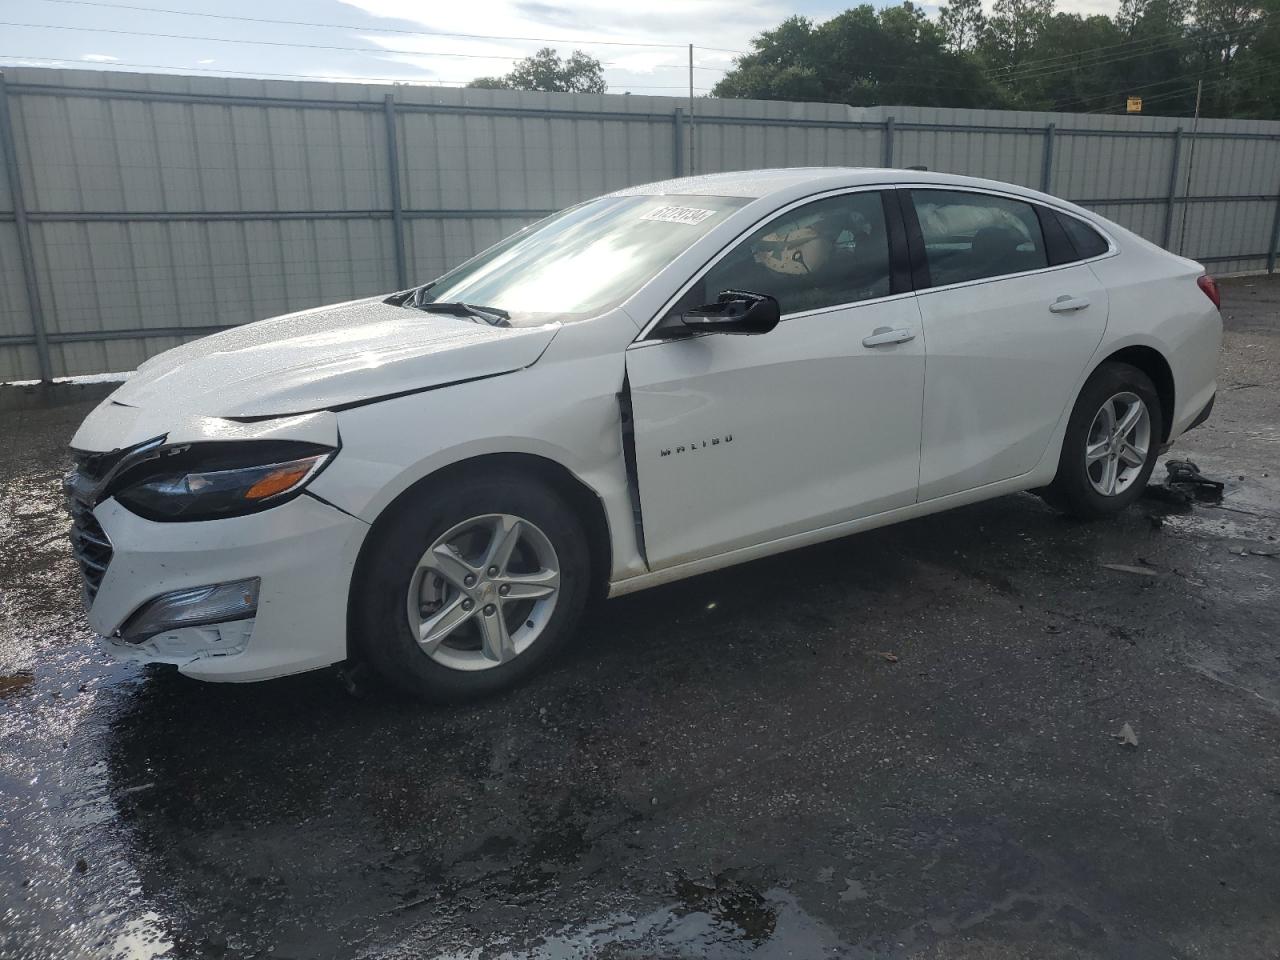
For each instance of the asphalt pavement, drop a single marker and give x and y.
(908, 743)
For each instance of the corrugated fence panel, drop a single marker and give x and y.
(6, 201)
(1239, 167)
(1104, 167)
(1144, 219)
(1225, 229)
(16, 363)
(121, 276)
(744, 146)
(84, 154)
(161, 204)
(1014, 157)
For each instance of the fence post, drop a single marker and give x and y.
(10, 147)
(1173, 188)
(677, 142)
(888, 141)
(393, 170)
(1274, 249)
(1046, 169)
(1275, 240)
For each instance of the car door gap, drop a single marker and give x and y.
(629, 459)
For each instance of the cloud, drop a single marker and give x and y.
(643, 49)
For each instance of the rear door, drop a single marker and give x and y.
(744, 439)
(1009, 327)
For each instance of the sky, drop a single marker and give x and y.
(644, 46)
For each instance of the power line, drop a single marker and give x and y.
(1256, 72)
(1101, 51)
(359, 29)
(265, 43)
(1096, 57)
(307, 46)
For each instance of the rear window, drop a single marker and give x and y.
(970, 236)
(1087, 241)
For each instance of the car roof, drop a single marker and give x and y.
(755, 184)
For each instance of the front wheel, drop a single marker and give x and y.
(1111, 443)
(468, 588)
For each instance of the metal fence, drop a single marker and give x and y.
(138, 211)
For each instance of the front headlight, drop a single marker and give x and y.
(211, 480)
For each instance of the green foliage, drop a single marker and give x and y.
(862, 56)
(545, 70)
(1025, 55)
(963, 23)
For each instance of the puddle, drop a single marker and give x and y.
(712, 922)
(15, 684)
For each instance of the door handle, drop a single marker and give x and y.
(1066, 304)
(883, 336)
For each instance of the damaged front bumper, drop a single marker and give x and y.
(148, 584)
(302, 552)
(183, 646)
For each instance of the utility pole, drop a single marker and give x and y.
(1191, 160)
(692, 168)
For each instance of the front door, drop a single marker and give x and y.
(746, 439)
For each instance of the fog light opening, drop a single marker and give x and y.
(192, 607)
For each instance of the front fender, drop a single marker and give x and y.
(391, 446)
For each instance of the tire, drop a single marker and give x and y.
(475, 514)
(1079, 487)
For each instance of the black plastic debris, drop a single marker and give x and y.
(1184, 486)
(1185, 475)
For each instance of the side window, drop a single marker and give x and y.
(822, 254)
(968, 236)
(1086, 240)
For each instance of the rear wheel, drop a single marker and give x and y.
(1111, 443)
(468, 589)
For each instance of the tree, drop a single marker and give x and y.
(546, 71)
(1226, 28)
(861, 57)
(1025, 55)
(1155, 60)
(1012, 31)
(1069, 66)
(964, 23)
(1256, 71)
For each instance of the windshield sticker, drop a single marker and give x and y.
(690, 215)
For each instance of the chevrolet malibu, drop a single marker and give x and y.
(647, 386)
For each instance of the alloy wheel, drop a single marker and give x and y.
(1118, 443)
(483, 592)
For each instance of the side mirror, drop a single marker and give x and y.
(735, 311)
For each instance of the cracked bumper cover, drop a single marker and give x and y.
(303, 551)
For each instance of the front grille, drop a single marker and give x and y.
(83, 486)
(89, 543)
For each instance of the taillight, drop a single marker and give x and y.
(1210, 288)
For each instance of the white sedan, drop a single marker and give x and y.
(647, 386)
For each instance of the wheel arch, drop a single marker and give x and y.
(1154, 364)
(585, 501)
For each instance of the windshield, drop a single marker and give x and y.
(583, 260)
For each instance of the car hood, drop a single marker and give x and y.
(328, 357)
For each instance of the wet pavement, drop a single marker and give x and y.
(900, 744)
